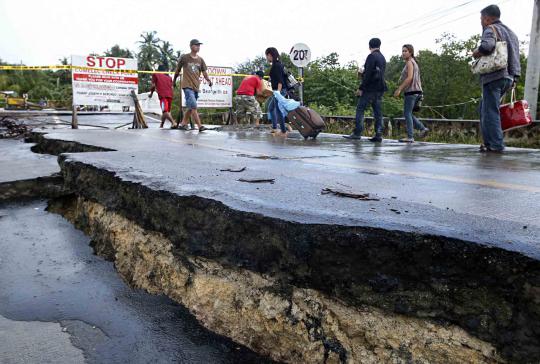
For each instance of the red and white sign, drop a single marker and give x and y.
(221, 92)
(100, 80)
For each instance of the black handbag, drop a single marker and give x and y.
(418, 102)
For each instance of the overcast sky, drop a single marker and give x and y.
(41, 32)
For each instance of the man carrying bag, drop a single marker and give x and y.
(499, 68)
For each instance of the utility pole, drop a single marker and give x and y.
(532, 77)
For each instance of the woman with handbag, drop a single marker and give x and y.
(410, 83)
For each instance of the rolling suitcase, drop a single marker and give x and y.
(306, 121)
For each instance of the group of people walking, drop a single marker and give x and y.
(370, 91)
(373, 86)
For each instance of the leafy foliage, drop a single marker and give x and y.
(329, 86)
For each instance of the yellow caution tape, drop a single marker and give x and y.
(70, 67)
(33, 68)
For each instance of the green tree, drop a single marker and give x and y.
(330, 87)
(148, 57)
(167, 55)
(117, 51)
(149, 53)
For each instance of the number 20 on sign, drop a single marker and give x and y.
(300, 55)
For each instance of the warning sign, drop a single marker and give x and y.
(100, 80)
(220, 94)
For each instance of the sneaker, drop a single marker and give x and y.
(375, 139)
(423, 133)
(353, 136)
(484, 149)
(406, 140)
(273, 131)
(202, 128)
(182, 127)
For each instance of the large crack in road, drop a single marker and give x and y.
(304, 291)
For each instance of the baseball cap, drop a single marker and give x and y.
(194, 42)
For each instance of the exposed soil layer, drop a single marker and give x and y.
(285, 322)
(41, 187)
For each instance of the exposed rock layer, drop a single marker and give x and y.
(491, 293)
(288, 323)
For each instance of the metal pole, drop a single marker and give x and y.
(301, 72)
(74, 120)
(532, 77)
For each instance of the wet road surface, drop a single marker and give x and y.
(448, 190)
(48, 274)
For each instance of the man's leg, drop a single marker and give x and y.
(169, 117)
(240, 109)
(191, 104)
(162, 120)
(196, 118)
(377, 114)
(490, 115)
(187, 116)
(258, 114)
(251, 109)
(188, 95)
(363, 102)
(162, 106)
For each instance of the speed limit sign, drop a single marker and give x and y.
(300, 55)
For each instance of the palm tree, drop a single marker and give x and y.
(116, 51)
(149, 53)
(147, 58)
(168, 57)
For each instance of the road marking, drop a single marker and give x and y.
(326, 163)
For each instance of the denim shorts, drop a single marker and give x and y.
(191, 98)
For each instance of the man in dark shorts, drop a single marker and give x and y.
(162, 84)
(191, 66)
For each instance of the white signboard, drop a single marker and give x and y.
(300, 55)
(93, 85)
(221, 92)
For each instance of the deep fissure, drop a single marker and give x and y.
(311, 274)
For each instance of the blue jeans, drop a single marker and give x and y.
(276, 115)
(375, 100)
(191, 98)
(490, 118)
(410, 119)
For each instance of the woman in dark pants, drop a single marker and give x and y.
(277, 79)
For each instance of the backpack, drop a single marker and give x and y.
(291, 85)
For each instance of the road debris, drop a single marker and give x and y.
(357, 196)
(262, 180)
(9, 128)
(233, 170)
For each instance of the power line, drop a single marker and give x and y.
(438, 25)
(445, 12)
